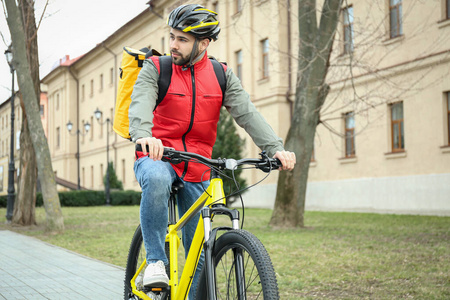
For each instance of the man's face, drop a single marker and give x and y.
(181, 44)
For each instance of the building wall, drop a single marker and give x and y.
(412, 68)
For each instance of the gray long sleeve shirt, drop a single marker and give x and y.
(237, 102)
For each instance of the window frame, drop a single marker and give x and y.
(237, 6)
(264, 58)
(101, 82)
(447, 9)
(351, 137)
(349, 24)
(400, 130)
(239, 61)
(58, 137)
(399, 20)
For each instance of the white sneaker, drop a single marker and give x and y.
(155, 275)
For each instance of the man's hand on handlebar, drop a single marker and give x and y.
(153, 145)
(287, 159)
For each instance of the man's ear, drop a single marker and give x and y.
(204, 43)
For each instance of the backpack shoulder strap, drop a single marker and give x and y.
(221, 77)
(165, 76)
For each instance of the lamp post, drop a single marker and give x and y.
(98, 115)
(11, 191)
(69, 126)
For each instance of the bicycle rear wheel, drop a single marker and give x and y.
(242, 267)
(136, 255)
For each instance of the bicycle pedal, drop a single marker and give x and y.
(156, 290)
(157, 293)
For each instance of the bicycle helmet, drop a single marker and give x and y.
(196, 20)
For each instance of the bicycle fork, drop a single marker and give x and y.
(210, 238)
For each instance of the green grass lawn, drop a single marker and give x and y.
(337, 255)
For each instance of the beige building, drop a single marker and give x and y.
(383, 144)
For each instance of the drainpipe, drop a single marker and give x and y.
(289, 50)
(115, 97)
(78, 127)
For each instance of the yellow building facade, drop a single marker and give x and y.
(383, 141)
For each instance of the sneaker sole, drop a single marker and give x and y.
(158, 282)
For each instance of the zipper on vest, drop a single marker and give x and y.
(191, 122)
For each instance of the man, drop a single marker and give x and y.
(186, 120)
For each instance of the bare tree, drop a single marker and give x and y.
(316, 41)
(24, 206)
(46, 176)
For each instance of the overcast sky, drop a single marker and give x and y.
(71, 27)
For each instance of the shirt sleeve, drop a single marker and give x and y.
(143, 101)
(237, 102)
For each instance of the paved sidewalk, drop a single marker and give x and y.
(32, 269)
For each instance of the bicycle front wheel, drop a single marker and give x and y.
(243, 269)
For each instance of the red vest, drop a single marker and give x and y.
(187, 117)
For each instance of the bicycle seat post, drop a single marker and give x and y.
(176, 186)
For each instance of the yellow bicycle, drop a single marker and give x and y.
(237, 266)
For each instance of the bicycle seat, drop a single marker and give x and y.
(176, 186)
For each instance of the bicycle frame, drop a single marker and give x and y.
(179, 289)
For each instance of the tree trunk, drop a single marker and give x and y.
(25, 203)
(311, 91)
(45, 171)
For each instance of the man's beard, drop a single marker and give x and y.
(184, 60)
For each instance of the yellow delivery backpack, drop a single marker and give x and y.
(132, 62)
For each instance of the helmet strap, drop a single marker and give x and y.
(192, 59)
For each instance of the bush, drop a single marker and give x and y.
(125, 198)
(92, 198)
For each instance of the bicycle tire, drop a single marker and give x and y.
(136, 255)
(261, 284)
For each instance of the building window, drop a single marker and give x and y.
(348, 29)
(448, 116)
(111, 76)
(58, 137)
(123, 171)
(163, 45)
(395, 17)
(216, 7)
(92, 176)
(239, 65)
(41, 110)
(447, 9)
(349, 119)
(101, 172)
(57, 101)
(397, 127)
(92, 128)
(265, 58)
(83, 177)
(92, 88)
(82, 92)
(101, 82)
(238, 5)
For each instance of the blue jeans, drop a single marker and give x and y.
(155, 179)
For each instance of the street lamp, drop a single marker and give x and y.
(98, 115)
(11, 191)
(69, 126)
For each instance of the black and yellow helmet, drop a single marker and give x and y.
(196, 20)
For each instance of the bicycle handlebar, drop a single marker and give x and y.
(265, 163)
